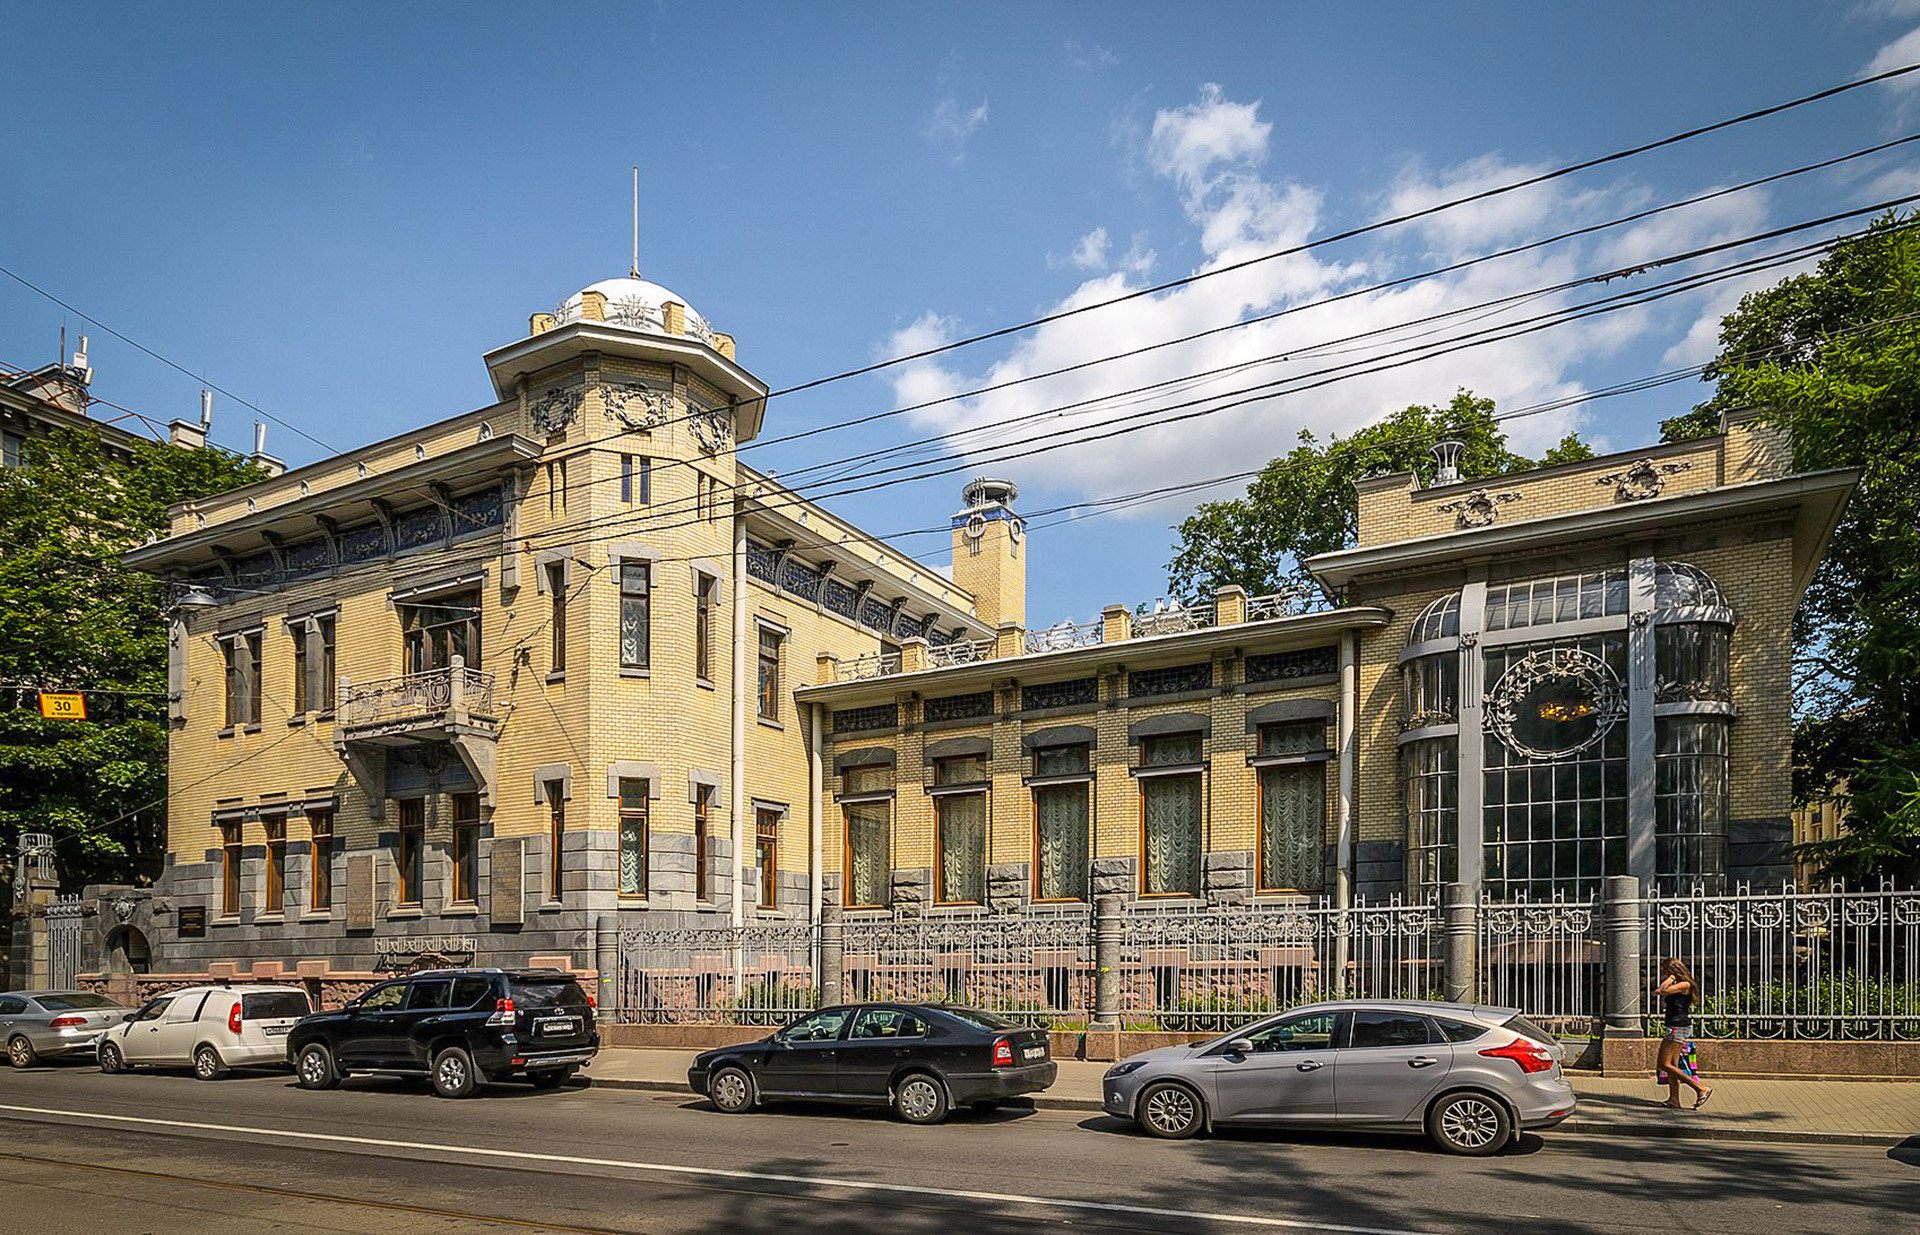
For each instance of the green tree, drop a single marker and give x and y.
(1303, 502)
(1832, 358)
(72, 617)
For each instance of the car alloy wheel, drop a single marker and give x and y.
(20, 1053)
(453, 1074)
(920, 1100)
(315, 1069)
(1170, 1111)
(110, 1059)
(1470, 1124)
(731, 1091)
(206, 1064)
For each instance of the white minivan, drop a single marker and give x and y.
(213, 1028)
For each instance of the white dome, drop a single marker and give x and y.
(636, 303)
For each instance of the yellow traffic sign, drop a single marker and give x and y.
(58, 706)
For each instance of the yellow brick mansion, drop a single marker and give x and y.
(563, 663)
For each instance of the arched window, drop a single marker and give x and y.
(1432, 680)
(1439, 620)
(1693, 706)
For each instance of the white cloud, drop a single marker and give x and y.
(1902, 51)
(1090, 56)
(1210, 153)
(952, 124)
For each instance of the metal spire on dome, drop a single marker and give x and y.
(634, 271)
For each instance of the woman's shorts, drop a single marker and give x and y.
(1679, 1033)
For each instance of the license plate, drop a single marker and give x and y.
(278, 1031)
(548, 1029)
(1034, 1052)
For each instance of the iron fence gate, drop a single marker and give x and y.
(64, 926)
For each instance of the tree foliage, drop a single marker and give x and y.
(1303, 503)
(1826, 353)
(73, 618)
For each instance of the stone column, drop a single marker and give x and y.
(832, 952)
(1620, 906)
(606, 958)
(1108, 930)
(1459, 910)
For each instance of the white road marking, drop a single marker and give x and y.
(711, 1172)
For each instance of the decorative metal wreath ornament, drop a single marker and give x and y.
(1478, 508)
(556, 409)
(712, 427)
(1642, 480)
(636, 407)
(1556, 702)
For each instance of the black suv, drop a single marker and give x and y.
(459, 1027)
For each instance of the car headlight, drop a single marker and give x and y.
(1121, 1069)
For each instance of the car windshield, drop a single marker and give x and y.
(79, 1001)
(270, 1004)
(564, 994)
(984, 1020)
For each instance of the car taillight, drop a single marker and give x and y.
(591, 1001)
(1002, 1053)
(1531, 1056)
(502, 1012)
(233, 1019)
(66, 1022)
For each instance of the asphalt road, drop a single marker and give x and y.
(82, 1152)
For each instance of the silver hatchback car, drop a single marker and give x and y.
(1470, 1077)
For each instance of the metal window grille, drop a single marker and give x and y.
(1059, 694)
(1300, 663)
(856, 720)
(1177, 679)
(960, 707)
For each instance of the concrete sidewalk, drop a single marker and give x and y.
(1868, 1113)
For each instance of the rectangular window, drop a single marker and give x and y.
(1306, 737)
(10, 446)
(868, 870)
(302, 683)
(960, 835)
(636, 614)
(766, 854)
(1061, 842)
(703, 626)
(243, 679)
(557, 619)
(702, 814)
(312, 665)
(1060, 760)
(410, 858)
(320, 826)
(433, 634)
(963, 770)
(276, 866)
(1293, 825)
(1170, 750)
(556, 838)
(633, 837)
(466, 848)
(230, 869)
(868, 778)
(1170, 816)
(770, 641)
(636, 479)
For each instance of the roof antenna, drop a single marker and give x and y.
(634, 270)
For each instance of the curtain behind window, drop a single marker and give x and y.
(1060, 842)
(1172, 809)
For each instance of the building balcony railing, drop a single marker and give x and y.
(433, 699)
(960, 652)
(1064, 635)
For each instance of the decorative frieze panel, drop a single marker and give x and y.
(1059, 694)
(1556, 702)
(1299, 663)
(857, 720)
(960, 707)
(1642, 480)
(1177, 679)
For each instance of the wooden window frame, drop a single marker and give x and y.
(275, 901)
(703, 606)
(767, 677)
(1083, 782)
(466, 849)
(410, 854)
(230, 869)
(557, 616)
(766, 853)
(642, 815)
(702, 826)
(556, 841)
(642, 597)
(846, 847)
(940, 802)
(1260, 886)
(320, 878)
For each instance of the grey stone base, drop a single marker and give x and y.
(1379, 868)
(1114, 877)
(1757, 851)
(1009, 886)
(912, 890)
(1227, 876)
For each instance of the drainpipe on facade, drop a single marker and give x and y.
(736, 899)
(816, 716)
(1343, 834)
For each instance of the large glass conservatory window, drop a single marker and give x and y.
(1693, 693)
(1433, 811)
(1545, 602)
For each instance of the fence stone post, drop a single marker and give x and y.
(1459, 917)
(832, 951)
(606, 959)
(1621, 906)
(1108, 930)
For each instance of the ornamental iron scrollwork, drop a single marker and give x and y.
(635, 311)
(1478, 508)
(1556, 702)
(1643, 479)
(556, 409)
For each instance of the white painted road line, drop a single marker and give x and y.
(710, 1172)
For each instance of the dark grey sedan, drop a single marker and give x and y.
(1469, 1077)
(38, 1025)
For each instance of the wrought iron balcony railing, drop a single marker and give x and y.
(456, 694)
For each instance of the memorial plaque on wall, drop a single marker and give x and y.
(359, 891)
(193, 921)
(505, 896)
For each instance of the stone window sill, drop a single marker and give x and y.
(629, 672)
(317, 915)
(554, 679)
(771, 724)
(466, 909)
(551, 906)
(226, 919)
(270, 919)
(410, 911)
(705, 683)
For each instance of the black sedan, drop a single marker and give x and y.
(922, 1059)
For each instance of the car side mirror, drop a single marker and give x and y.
(127, 1016)
(1240, 1046)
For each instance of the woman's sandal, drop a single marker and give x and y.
(1702, 1099)
(1671, 1104)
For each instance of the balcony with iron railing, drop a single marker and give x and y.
(454, 706)
(1230, 606)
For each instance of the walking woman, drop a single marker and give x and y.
(1677, 992)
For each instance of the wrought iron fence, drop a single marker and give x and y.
(1062, 636)
(1209, 968)
(65, 922)
(875, 665)
(960, 652)
(1814, 964)
(1281, 604)
(1037, 967)
(1547, 958)
(1174, 619)
(762, 974)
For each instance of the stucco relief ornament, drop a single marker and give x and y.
(638, 408)
(712, 427)
(1479, 508)
(556, 409)
(634, 311)
(1555, 702)
(1644, 479)
(125, 907)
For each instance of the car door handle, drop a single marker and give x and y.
(1308, 1066)
(1422, 1061)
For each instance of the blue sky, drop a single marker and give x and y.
(334, 210)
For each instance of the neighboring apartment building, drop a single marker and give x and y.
(1822, 819)
(562, 663)
(37, 402)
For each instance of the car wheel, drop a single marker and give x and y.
(920, 1099)
(111, 1060)
(1170, 1111)
(453, 1073)
(1469, 1123)
(551, 1078)
(315, 1068)
(20, 1052)
(731, 1090)
(207, 1065)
